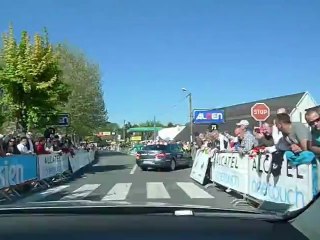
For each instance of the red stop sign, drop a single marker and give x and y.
(260, 111)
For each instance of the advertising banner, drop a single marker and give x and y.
(215, 116)
(17, 169)
(199, 167)
(52, 164)
(230, 170)
(79, 160)
(272, 178)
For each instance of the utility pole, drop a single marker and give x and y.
(154, 128)
(190, 113)
(191, 117)
(124, 130)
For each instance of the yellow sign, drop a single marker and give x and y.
(136, 138)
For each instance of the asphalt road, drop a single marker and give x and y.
(115, 177)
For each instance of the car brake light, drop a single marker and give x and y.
(138, 155)
(161, 155)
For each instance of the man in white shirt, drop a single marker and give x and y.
(221, 142)
(22, 146)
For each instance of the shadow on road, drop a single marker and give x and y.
(105, 154)
(106, 168)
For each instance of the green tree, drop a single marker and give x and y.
(85, 105)
(30, 79)
(151, 124)
(170, 124)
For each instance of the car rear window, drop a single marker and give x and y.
(155, 147)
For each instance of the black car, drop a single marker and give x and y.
(161, 156)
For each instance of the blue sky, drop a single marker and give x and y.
(225, 52)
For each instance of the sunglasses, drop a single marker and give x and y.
(312, 123)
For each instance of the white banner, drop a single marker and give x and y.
(79, 160)
(199, 167)
(50, 165)
(273, 179)
(91, 156)
(230, 170)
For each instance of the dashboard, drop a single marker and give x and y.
(95, 226)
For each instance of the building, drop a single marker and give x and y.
(296, 104)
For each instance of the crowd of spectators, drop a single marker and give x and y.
(14, 144)
(280, 135)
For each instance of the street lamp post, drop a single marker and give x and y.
(189, 95)
(124, 130)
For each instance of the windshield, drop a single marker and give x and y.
(155, 147)
(211, 104)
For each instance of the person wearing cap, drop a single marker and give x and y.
(248, 141)
(243, 124)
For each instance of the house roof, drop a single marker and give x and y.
(235, 113)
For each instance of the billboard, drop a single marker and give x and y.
(205, 116)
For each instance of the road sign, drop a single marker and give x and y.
(260, 112)
(63, 120)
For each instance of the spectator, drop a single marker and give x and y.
(264, 136)
(243, 124)
(40, 147)
(248, 141)
(11, 148)
(313, 119)
(276, 134)
(30, 143)
(199, 140)
(220, 142)
(22, 146)
(2, 152)
(295, 134)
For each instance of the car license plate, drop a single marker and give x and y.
(148, 162)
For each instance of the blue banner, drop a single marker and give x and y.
(17, 169)
(214, 116)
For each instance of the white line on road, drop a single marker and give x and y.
(156, 190)
(193, 191)
(82, 191)
(134, 169)
(118, 192)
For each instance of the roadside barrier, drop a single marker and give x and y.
(19, 170)
(260, 178)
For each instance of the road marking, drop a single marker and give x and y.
(53, 190)
(156, 190)
(193, 191)
(118, 192)
(82, 191)
(134, 169)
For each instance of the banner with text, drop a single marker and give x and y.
(79, 160)
(17, 169)
(52, 164)
(199, 167)
(272, 178)
(230, 170)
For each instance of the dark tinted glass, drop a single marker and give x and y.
(156, 147)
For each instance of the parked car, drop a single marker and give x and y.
(160, 156)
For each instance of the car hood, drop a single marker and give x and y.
(89, 203)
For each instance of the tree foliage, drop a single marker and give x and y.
(85, 105)
(170, 124)
(151, 124)
(30, 79)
